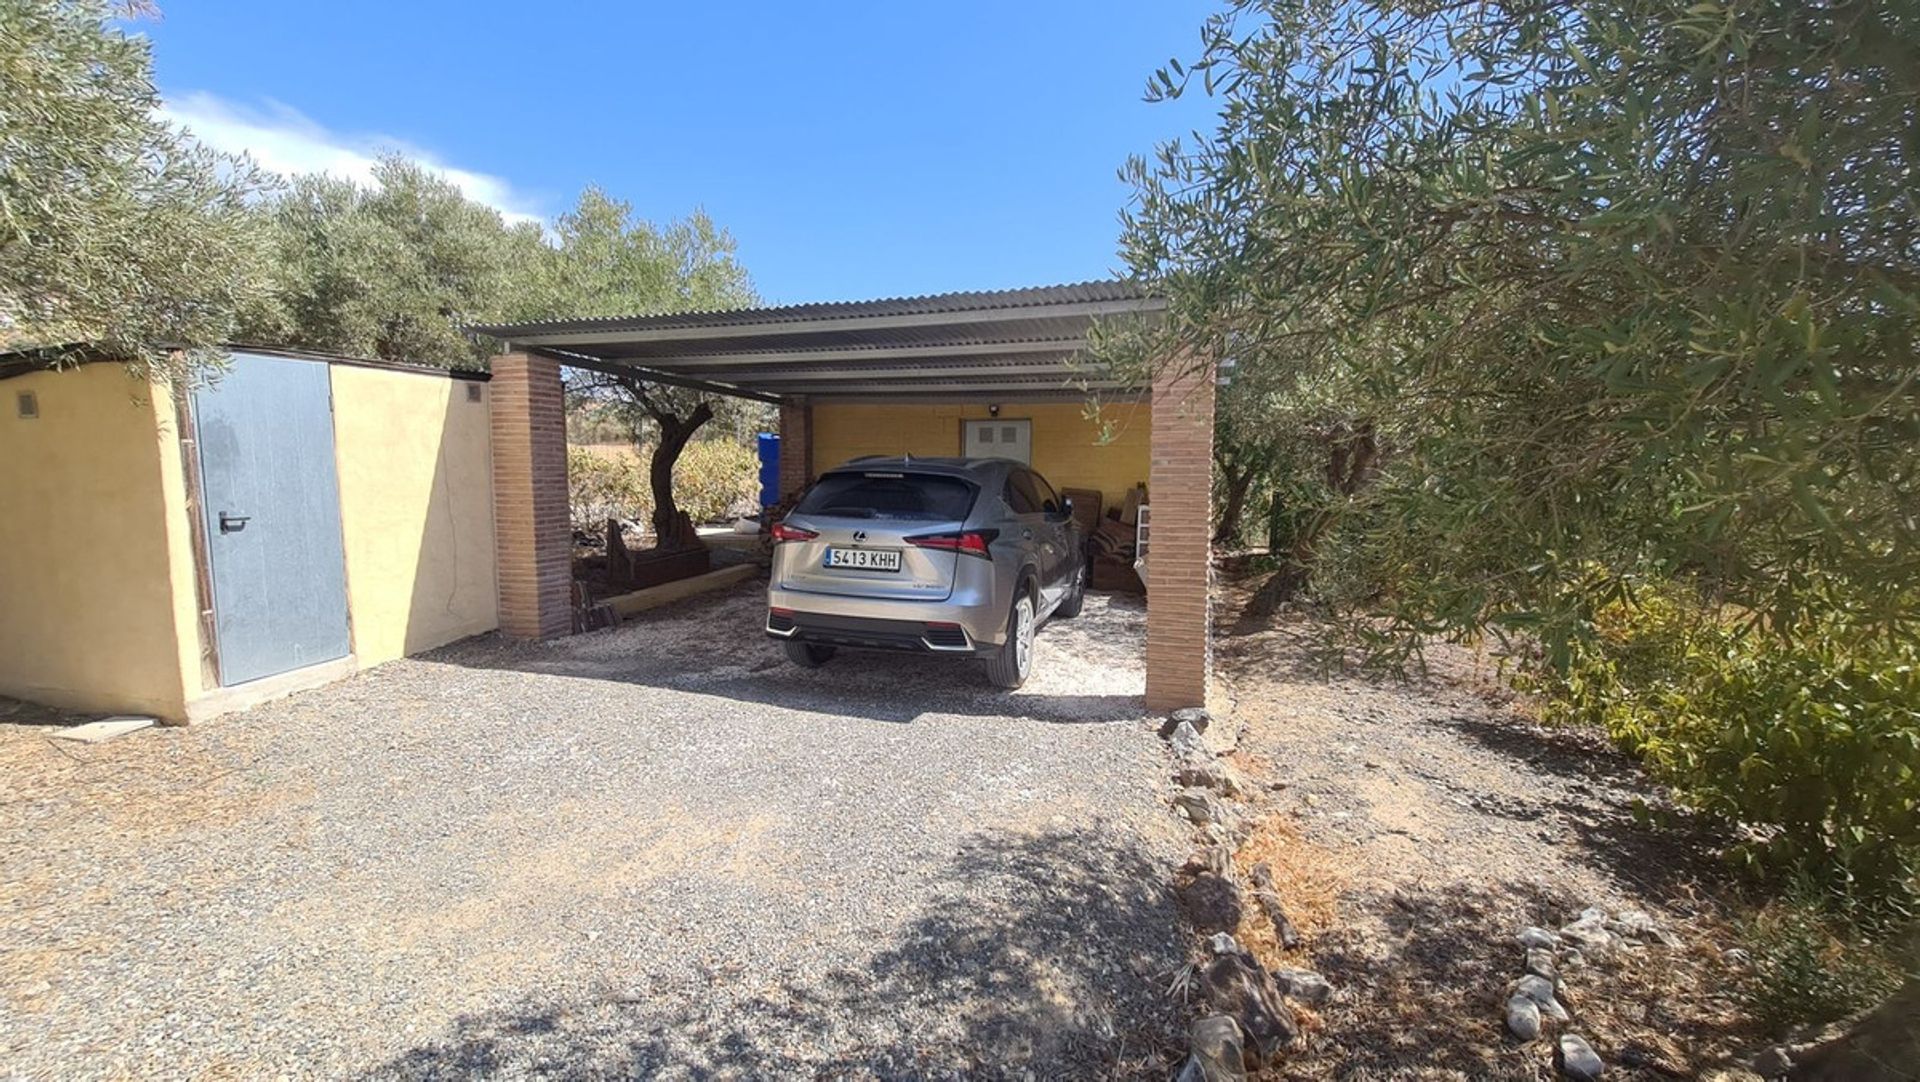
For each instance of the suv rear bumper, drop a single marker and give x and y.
(926, 627)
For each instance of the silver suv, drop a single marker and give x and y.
(939, 555)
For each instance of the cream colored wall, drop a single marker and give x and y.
(416, 509)
(90, 603)
(1109, 452)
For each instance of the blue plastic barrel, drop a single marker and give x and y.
(769, 443)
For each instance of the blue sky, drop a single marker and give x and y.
(853, 149)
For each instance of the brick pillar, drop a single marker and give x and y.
(533, 538)
(796, 444)
(1179, 550)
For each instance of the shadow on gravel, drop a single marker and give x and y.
(1434, 983)
(1045, 955)
(1659, 850)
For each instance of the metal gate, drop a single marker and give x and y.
(271, 498)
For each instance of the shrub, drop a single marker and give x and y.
(1808, 738)
(1805, 972)
(716, 479)
(605, 483)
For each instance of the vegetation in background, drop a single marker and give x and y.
(713, 480)
(114, 231)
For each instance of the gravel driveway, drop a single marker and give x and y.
(652, 850)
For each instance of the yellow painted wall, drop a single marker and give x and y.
(1068, 448)
(416, 509)
(89, 604)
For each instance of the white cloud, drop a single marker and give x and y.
(284, 140)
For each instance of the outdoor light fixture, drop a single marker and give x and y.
(993, 410)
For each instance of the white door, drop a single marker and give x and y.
(998, 439)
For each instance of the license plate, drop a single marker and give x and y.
(865, 559)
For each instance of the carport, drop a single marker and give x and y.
(1006, 350)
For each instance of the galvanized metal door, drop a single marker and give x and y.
(271, 498)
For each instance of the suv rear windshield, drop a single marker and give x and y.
(917, 496)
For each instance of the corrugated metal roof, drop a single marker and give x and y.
(1014, 340)
(930, 304)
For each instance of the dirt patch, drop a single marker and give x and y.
(1414, 828)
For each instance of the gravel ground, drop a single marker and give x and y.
(657, 850)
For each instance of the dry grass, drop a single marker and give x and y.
(1310, 879)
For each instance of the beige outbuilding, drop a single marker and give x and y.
(365, 506)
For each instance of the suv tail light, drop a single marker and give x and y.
(967, 543)
(784, 532)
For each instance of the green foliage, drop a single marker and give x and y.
(1812, 742)
(114, 231)
(603, 484)
(716, 479)
(1808, 972)
(1626, 284)
(392, 270)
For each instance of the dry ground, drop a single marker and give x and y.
(1415, 827)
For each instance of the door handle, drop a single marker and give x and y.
(232, 523)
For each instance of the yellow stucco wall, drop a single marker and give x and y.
(1068, 446)
(416, 509)
(90, 612)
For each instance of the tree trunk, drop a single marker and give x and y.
(1238, 486)
(668, 530)
(1882, 1046)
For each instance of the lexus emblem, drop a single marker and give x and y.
(859, 535)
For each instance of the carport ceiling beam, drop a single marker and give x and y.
(594, 364)
(948, 371)
(853, 386)
(873, 353)
(1081, 310)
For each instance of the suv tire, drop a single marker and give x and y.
(1009, 665)
(807, 655)
(1076, 595)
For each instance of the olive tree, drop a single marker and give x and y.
(115, 231)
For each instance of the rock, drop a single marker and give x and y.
(1209, 773)
(1591, 936)
(1571, 959)
(1211, 902)
(1541, 991)
(1534, 987)
(1523, 1017)
(1540, 964)
(1304, 985)
(1577, 1060)
(1202, 807)
(1637, 924)
(1531, 938)
(1215, 1051)
(1191, 715)
(1236, 985)
(1223, 943)
(1186, 742)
